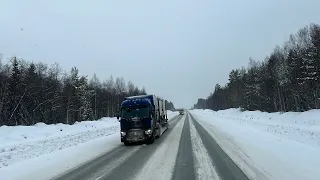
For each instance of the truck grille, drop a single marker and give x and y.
(135, 135)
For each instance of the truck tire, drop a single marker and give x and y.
(158, 133)
(151, 139)
(126, 143)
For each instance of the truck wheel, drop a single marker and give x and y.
(151, 139)
(126, 143)
(158, 133)
(157, 130)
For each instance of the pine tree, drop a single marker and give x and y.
(143, 91)
(31, 93)
(14, 93)
(308, 69)
(30, 103)
(252, 86)
(234, 87)
(85, 95)
(315, 40)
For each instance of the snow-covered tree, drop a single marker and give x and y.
(33, 92)
(287, 80)
(85, 95)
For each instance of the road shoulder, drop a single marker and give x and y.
(240, 164)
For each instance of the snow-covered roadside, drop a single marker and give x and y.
(302, 127)
(21, 143)
(262, 153)
(172, 114)
(47, 150)
(52, 164)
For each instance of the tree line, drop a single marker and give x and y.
(35, 92)
(287, 80)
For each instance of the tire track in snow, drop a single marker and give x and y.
(203, 163)
(173, 119)
(103, 164)
(237, 155)
(184, 165)
(164, 158)
(226, 167)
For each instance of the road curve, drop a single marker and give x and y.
(186, 151)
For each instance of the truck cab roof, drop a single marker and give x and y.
(140, 97)
(152, 98)
(135, 102)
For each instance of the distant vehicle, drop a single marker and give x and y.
(181, 111)
(142, 118)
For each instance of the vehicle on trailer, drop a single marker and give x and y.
(142, 119)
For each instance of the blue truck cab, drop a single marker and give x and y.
(139, 119)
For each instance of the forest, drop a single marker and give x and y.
(286, 80)
(35, 92)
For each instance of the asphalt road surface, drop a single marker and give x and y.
(185, 151)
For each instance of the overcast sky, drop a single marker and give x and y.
(177, 49)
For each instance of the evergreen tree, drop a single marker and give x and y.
(84, 96)
(14, 93)
(287, 80)
(32, 93)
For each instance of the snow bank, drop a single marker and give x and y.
(302, 127)
(19, 134)
(172, 114)
(52, 164)
(20, 143)
(268, 145)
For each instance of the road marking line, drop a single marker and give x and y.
(203, 164)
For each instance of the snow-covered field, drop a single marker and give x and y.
(53, 149)
(26, 142)
(268, 145)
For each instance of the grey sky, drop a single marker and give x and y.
(177, 49)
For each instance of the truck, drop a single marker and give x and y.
(142, 119)
(181, 111)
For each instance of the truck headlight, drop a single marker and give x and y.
(123, 133)
(148, 132)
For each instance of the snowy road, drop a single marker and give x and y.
(185, 151)
(206, 144)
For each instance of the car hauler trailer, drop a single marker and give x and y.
(142, 118)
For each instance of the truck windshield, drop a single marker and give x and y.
(140, 112)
